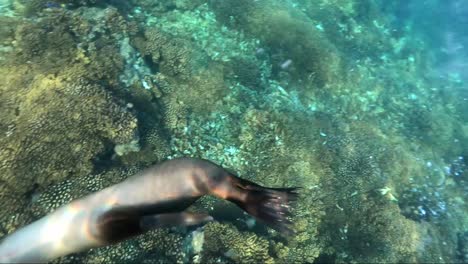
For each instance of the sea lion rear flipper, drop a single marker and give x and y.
(173, 219)
(121, 223)
(270, 205)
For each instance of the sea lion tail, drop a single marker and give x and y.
(270, 205)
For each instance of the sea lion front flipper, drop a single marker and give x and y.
(173, 219)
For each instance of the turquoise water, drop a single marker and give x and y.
(362, 104)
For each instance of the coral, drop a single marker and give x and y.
(201, 95)
(378, 233)
(212, 41)
(154, 141)
(358, 158)
(351, 25)
(48, 45)
(78, 45)
(176, 113)
(372, 221)
(167, 246)
(306, 245)
(462, 243)
(29, 8)
(35, 7)
(157, 246)
(241, 247)
(99, 41)
(7, 32)
(204, 92)
(154, 147)
(168, 55)
(58, 129)
(368, 226)
(305, 253)
(164, 6)
(290, 36)
(105, 63)
(233, 13)
(158, 144)
(126, 148)
(13, 216)
(247, 71)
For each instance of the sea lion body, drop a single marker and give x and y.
(155, 197)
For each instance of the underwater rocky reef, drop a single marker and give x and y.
(333, 96)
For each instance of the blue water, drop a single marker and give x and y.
(362, 104)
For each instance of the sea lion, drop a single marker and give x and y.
(154, 198)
